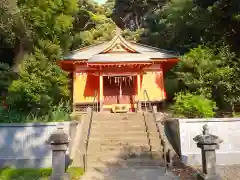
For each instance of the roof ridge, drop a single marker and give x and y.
(123, 41)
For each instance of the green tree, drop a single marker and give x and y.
(103, 30)
(179, 25)
(40, 86)
(131, 14)
(6, 77)
(50, 21)
(210, 73)
(41, 83)
(193, 106)
(224, 21)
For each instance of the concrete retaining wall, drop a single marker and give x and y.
(22, 145)
(182, 131)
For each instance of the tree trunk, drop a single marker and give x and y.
(19, 54)
(136, 21)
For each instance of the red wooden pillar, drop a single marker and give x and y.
(101, 91)
(138, 92)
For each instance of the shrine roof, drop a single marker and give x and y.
(119, 50)
(119, 57)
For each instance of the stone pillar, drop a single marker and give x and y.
(101, 92)
(59, 142)
(139, 91)
(154, 109)
(208, 144)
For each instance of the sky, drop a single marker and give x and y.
(100, 1)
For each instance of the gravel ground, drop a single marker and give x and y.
(188, 173)
(229, 172)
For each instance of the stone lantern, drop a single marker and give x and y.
(208, 144)
(59, 141)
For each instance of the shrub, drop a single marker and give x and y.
(35, 174)
(41, 85)
(193, 106)
(24, 174)
(60, 112)
(57, 113)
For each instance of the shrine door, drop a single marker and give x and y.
(119, 90)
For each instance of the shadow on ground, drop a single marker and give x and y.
(132, 163)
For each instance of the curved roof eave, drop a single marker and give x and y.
(155, 49)
(87, 53)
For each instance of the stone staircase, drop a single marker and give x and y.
(124, 140)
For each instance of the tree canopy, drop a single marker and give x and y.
(205, 33)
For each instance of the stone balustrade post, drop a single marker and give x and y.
(59, 142)
(154, 109)
(208, 144)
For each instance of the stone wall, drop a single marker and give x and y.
(182, 131)
(22, 145)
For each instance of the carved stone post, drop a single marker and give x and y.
(154, 109)
(59, 141)
(208, 144)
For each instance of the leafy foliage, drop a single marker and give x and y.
(210, 74)
(35, 174)
(103, 31)
(7, 33)
(206, 33)
(193, 106)
(57, 113)
(40, 85)
(132, 13)
(6, 77)
(209, 32)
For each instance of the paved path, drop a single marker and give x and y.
(128, 173)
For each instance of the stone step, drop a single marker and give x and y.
(120, 136)
(115, 150)
(129, 162)
(117, 126)
(124, 138)
(110, 118)
(125, 128)
(106, 146)
(107, 114)
(123, 152)
(125, 116)
(137, 147)
(131, 157)
(124, 155)
(129, 166)
(118, 143)
(153, 133)
(128, 173)
(132, 115)
(118, 139)
(131, 133)
(119, 122)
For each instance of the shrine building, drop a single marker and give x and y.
(118, 76)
